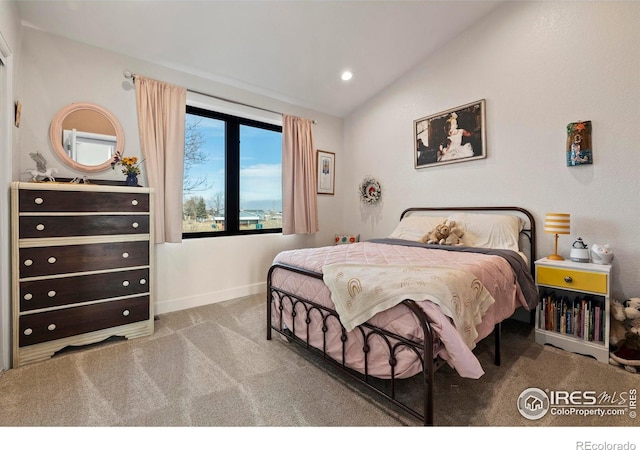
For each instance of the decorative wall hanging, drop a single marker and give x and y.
(326, 169)
(18, 113)
(455, 135)
(579, 144)
(370, 191)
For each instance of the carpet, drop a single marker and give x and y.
(212, 366)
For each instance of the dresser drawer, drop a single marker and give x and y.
(43, 261)
(52, 325)
(82, 201)
(572, 279)
(98, 225)
(84, 288)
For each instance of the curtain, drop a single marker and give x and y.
(299, 177)
(161, 116)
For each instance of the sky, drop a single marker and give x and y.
(260, 164)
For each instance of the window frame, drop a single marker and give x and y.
(232, 172)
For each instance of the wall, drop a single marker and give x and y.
(9, 43)
(540, 66)
(57, 72)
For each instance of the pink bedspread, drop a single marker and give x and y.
(493, 271)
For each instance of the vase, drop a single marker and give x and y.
(132, 179)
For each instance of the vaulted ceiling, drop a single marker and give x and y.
(291, 50)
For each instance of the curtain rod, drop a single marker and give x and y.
(132, 76)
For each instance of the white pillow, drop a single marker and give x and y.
(489, 230)
(415, 227)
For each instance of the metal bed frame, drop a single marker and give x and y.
(423, 350)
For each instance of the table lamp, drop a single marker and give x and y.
(557, 223)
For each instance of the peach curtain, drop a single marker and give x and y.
(299, 177)
(161, 116)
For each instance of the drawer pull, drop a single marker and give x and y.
(125, 312)
(51, 293)
(40, 227)
(143, 281)
(39, 201)
(52, 260)
(28, 296)
(28, 331)
(568, 279)
(51, 327)
(135, 225)
(134, 202)
(125, 255)
(125, 283)
(28, 262)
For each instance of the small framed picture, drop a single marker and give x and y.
(579, 149)
(326, 170)
(451, 136)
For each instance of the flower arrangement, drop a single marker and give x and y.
(130, 165)
(370, 191)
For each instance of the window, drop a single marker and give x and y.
(232, 175)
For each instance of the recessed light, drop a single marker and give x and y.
(346, 75)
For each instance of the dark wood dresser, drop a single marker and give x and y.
(82, 266)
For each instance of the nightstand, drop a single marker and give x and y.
(573, 313)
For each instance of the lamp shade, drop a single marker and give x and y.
(557, 223)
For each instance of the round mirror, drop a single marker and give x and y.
(86, 136)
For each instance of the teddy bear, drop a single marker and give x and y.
(627, 354)
(624, 338)
(634, 326)
(438, 235)
(632, 308)
(455, 234)
(445, 233)
(617, 329)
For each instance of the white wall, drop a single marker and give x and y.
(57, 72)
(540, 66)
(9, 42)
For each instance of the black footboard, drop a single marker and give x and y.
(301, 316)
(304, 312)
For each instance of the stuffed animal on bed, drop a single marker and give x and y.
(438, 234)
(455, 234)
(445, 233)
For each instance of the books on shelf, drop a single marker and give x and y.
(580, 317)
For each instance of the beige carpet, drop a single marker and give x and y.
(212, 366)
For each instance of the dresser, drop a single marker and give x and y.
(82, 266)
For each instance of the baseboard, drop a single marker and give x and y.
(179, 304)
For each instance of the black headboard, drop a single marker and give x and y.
(528, 231)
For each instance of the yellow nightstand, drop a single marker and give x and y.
(573, 313)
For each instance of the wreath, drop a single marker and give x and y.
(370, 191)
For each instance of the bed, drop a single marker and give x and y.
(394, 309)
